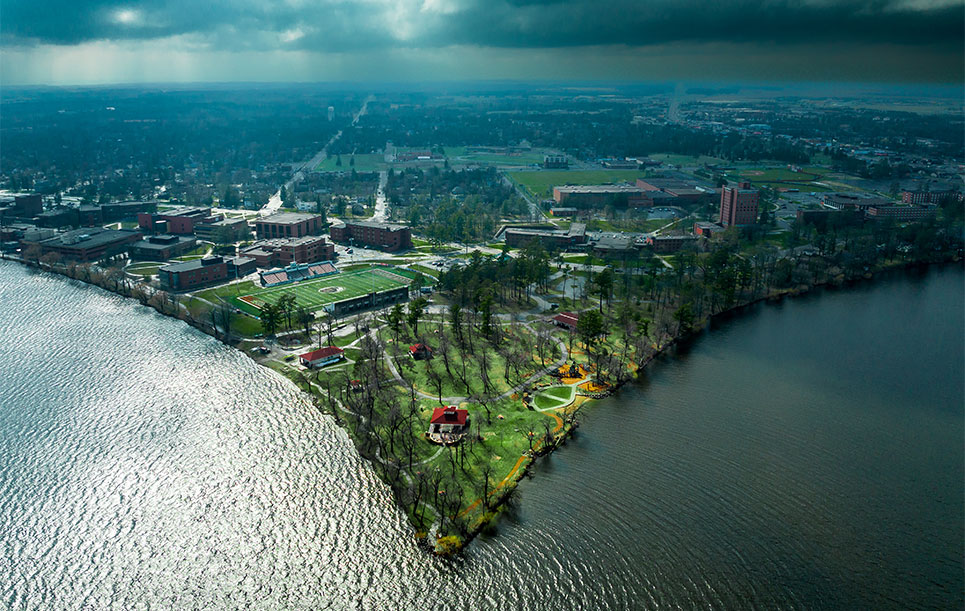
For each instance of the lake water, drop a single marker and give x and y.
(805, 455)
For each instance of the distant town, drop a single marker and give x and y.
(453, 277)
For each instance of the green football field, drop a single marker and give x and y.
(314, 294)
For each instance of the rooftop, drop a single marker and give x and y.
(287, 218)
(599, 189)
(321, 353)
(449, 415)
(89, 237)
(374, 225)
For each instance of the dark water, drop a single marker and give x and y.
(808, 455)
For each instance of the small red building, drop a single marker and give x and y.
(567, 320)
(420, 352)
(448, 424)
(321, 357)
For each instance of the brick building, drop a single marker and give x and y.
(190, 274)
(280, 252)
(929, 197)
(179, 221)
(900, 213)
(288, 225)
(738, 205)
(707, 230)
(377, 235)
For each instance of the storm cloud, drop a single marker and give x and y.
(931, 30)
(338, 25)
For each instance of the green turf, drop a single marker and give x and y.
(367, 162)
(310, 295)
(540, 183)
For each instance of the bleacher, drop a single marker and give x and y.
(296, 273)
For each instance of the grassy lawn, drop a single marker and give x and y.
(144, 269)
(553, 398)
(428, 271)
(365, 162)
(540, 184)
(454, 385)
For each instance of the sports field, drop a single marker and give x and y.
(314, 294)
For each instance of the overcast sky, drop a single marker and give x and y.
(97, 41)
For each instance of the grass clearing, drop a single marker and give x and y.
(364, 162)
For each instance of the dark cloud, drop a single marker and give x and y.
(490, 23)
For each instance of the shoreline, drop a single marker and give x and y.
(508, 486)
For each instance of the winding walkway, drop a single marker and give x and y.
(564, 357)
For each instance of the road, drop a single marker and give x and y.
(274, 202)
(381, 202)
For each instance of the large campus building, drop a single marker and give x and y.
(179, 221)
(377, 235)
(597, 196)
(738, 205)
(162, 247)
(289, 225)
(85, 245)
(191, 274)
(551, 239)
(21, 206)
(279, 252)
(929, 197)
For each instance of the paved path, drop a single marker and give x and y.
(565, 355)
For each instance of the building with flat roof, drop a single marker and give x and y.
(25, 206)
(89, 244)
(929, 197)
(237, 228)
(162, 247)
(278, 252)
(901, 213)
(614, 245)
(853, 201)
(738, 205)
(555, 239)
(597, 196)
(179, 221)
(669, 243)
(386, 236)
(191, 274)
(288, 225)
(706, 229)
(677, 189)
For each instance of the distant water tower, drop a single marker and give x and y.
(331, 113)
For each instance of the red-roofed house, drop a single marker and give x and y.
(567, 320)
(321, 357)
(420, 352)
(448, 424)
